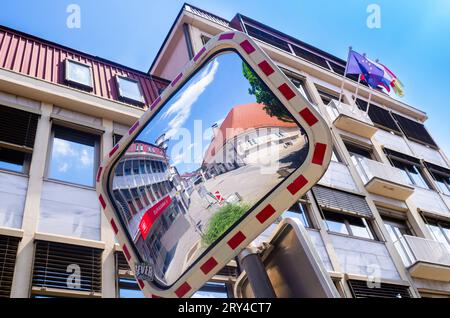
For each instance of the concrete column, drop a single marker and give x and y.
(21, 285)
(107, 234)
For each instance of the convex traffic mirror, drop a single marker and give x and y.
(228, 146)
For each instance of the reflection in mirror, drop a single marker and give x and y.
(214, 150)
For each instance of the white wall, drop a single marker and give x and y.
(179, 58)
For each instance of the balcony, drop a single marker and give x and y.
(426, 259)
(430, 201)
(383, 179)
(351, 119)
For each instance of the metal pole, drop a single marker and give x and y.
(251, 263)
(357, 87)
(345, 74)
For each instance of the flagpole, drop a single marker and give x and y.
(345, 74)
(359, 82)
(357, 87)
(370, 94)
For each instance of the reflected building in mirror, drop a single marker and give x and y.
(149, 194)
(250, 136)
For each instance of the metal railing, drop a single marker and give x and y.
(336, 108)
(369, 169)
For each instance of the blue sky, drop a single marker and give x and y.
(412, 41)
(197, 101)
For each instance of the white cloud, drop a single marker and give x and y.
(181, 108)
(62, 147)
(177, 159)
(85, 159)
(63, 167)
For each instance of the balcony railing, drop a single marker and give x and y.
(383, 179)
(351, 118)
(414, 249)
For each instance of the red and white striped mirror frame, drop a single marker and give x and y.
(262, 215)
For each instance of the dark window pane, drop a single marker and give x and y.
(355, 150)
(414, 130)
(298, 211)
(335, 222)
(268, 38)
(18, 127)
(12, 160)
(378, 115)
(309, 56)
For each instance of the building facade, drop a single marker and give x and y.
(61, 110)
(382, 210)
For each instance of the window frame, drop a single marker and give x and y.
(127, 99)
(359, 146)
(439, 224)
(97, 155)
(76, 83)
(305, 207)
(367, 223)
(303, 89)
(419, 169)
(445, 182)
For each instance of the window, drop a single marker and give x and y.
(336, 200)
(129, 90)
(252, 142)
(414, 130)
(358, 151)
(413, 174)
(347, 225)
(119, 169)
(310, 56)
(55, 263)
(300, 84)
(396, 228)
(127, 167)
(442, 182)
(362, 289)
(8, 252)
(17, 135)
(205, 39)
(212, 290)
(116, 138)
(299, 211)
(440, 230)
(441, 177)
(78, 73)
(74, 156)
(14, 160)
(267, 37)
(380, 117)
(128, 288)
(327, 97)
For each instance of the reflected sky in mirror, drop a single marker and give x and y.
(217, 147)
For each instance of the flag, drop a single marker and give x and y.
(375, 74)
